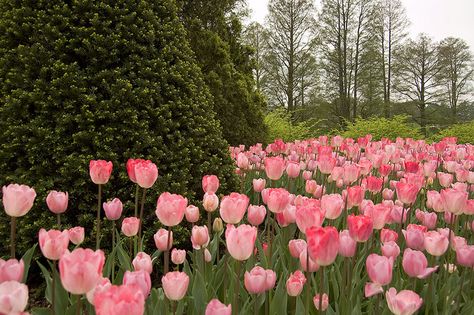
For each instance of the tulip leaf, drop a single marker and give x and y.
(279, 301)
(199, 293)
(27, 261)
(123, 257)
(41, 311)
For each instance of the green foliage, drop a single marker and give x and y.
(214, 30)
(280, 126)
(378, 127)
(106, 80)
(464, 133)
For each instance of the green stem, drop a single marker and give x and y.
(321, 291)
(255, 308)
(137, 191)
(167, 252)
(12, 236)
(58, 217)
(79, 305)
(141, 220)
(235, 306)
(113, 248)
(209, 222)
(308, 283)
(53, 289)
(97, 236)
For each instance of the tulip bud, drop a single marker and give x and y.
(217, 225)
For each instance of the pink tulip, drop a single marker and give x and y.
(295, 283)
(258, 184)
(406, 302)
(210, 202)
(332, 205)
(276, 199)
(130, 226)
(18, 199)
(175, 284)
(215, 307)
(307, 175)
(242, 161)
(351, 173)
(131, 168)
(207, 255)
(113, 209)
(13, 297)
(57, 201)
(347, 245)
(100, 171)
(379, 269)
(255, 280)
(210, 184)
(360, 227)
(415, 264)
(465, 256)
(326, 163)
(434, 201)
(142, 262)
(454, 201)
(178, 256)
(119, 300)
(233, 207)
(354, 195)
(406, 192)
(414, 236)
(445, 179)
(271, 279)
(380, 214)
(293, 169)
(289, 214)
(161, 240)
(191, 214)
(199, 237)
(53, 243)
(436, 243)
(308, 215)
(390, 249)
(103, 285)
(240, 241)
(170, 208)
(141, 279)
(296, 247)
(274, 167)
(323, 244)
(387, 194)
(76, 235)
(146, 173)
(427, 219)
(387, 235)
(305, 261)
(81, 269)
(374, 184)
(324, 303)
(256, 215)
(11, 270)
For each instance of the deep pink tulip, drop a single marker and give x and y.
(11, 270)
(170, 208)
(454, 201)
(255, 280)
(103, 285)
(406, 302)
(374, 184)
(465, 256)
(119, 300)
(406, 192)
(191, 214)
(276, 199)
(199, 237)
(210, 202)
(296, 247)
(81, 269)
(233, 207)
(13, 297)
(324, 303)
(18, 199)
(76, 235)
(178, 256)
(210, 184)
(411, 166)
(274, 167)
(332, 205)
(436, 243)
(131, 168)
(113, 209)
(215, 307)
(387, 235)
(347, 245)
(53, 243)
(141, 279)
(142, 262)
(57, 201)
(354, 195)
(323, 244)
(295, 283)
(415, 236)
(258, 184)
(175, 284)
(146, 173)
(100, 171)
(379, 269)
(390, 249)
(415, 264)
(161, 240)
(130, 226)
(360, 227)
(240, 241)
(256, 215)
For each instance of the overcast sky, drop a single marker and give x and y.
(438, 18)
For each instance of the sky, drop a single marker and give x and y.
(437, 18)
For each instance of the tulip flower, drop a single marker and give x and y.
(175, 284)
(415, 264)
(332, 205)
(274, 167)
(307, 263)
(76, 235)
(308, 216)
(454, 201)
(103, 285)
(387, 235)
(295, 283)
(191, 214)
(170, 209)
(240, 241)
(146, 173)
(210, 202)
(406, 302)
(210, 184)
(178, 256)
(100, 171)
(142, 262)
(215, 307)
(199, 237)
(296, 247)
(11, 270)
(163, 240)
(130, 226)
(360, 227)
(113, 209)
(141, 279)
(256, 214)
(465, 256)
(255, 281)
(354, 196)
(233, 207)
(271, 279)
(435, 243)
(415, 236)
(57, 201)
(13, 297)
(293, 169)
(53, 243)
(119, 300)
(323, 244)
(258, 184)
(379, 269)
(276, 199)
(407, 192)
(390, 249)
(347, 245)
(324, 304)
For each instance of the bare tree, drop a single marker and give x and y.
(456, 71)
(256, 36)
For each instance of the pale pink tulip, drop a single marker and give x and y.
(191, 213)
(240, 241)
(258, 184)
(57, 201)
(119, 300)
(210, 184)
(170, 208)
(415, 264)
(256, 215)
(13, 297)
(199, 237)
(255, 280)
(18, 199)
(295, 283)
(130, 226)
(233, 207)
(100, 171)
(161, 240)
(141, 279)
(296, 247)
(76, 235)
(142, 262)
(324, 303)
(11, 270)
(175, 284)
(178, 256)
(113, 209)
(215, 307)
(53, 243)
(146, 173)
(406, 302)
(210, 202)
(323, 244)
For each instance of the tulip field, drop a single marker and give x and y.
(330, 225)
